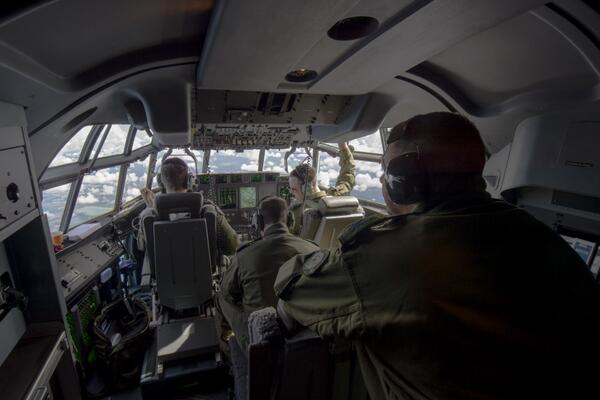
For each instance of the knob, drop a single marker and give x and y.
(12, 192)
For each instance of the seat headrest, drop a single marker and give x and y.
(335, 205)
(175, 203)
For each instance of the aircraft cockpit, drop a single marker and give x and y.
(109, 282)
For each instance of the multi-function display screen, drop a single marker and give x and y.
(204, 179)
(247, 197)
(227, 198)
(221, 178)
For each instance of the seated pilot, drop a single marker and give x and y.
(454, 295)
(174, 177)
(247, 285)
(303, 180)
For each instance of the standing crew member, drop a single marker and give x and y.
(455, 295)
(303, 179)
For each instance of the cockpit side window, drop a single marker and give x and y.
(70, 152)
(369, 144)
(96, 195)
(115, 141)
(135, 179)
(142, 138)
(275, 160)
(53, 203)
(367, 185)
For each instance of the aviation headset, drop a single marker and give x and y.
(436, 144)
(258, 220)
(406, 179)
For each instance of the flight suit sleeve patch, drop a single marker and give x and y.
(315, 262)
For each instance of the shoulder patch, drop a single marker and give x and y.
(312, 264)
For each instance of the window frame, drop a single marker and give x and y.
(358, 155)
(73, 173)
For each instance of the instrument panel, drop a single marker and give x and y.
(238, 194)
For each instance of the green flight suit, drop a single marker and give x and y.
(343, 186)
(247, 285)
(227, 238)
(471, 298)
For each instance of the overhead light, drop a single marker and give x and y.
(353, 28)
(301, 75)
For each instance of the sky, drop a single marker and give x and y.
(98, 190)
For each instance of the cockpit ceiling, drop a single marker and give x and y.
(497, 61)
(70, 44)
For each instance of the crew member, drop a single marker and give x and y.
(247, 285)
(303, 180)
(174, 178)
(454, 295)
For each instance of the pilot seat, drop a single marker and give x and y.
(324, 223)
(181, 246)
(290, 362)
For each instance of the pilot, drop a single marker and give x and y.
(174, 178)
(303, 180)
(247, 285)
(454, 295)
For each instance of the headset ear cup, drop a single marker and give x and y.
(291, 220)
(260, 222)
(410, 183)
(395, 192)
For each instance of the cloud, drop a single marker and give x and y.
(87, 199)
(70, 151)
(59, 189)
(326, 161)
(250, 167)
(102, 176)
(328, 177)
(275, 168)
(108, 189)
(115, 141)
(370, 167)
(275, 154)
(370, 143)
(366, 181)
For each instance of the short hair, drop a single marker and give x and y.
(174, 173)
(273, 209)
(304, 173)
